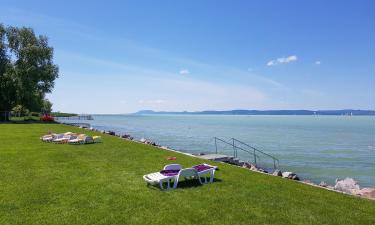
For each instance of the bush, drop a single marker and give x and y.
(47, 118)
(36, 114)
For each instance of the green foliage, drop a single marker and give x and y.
(7, 82)
(62, 114)
(19, 110)
(35, 114)
(47, 106)
(27, 71)
(45, 183)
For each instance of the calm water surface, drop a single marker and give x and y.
(315, 147)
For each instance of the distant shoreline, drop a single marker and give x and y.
(344, 112)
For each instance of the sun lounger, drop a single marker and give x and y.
(88, 140)
(52, 137)
(97, 139)
(167, 175)
(174, 173)
(48, 137)
(65, 138)
(80, 139)
(205, 169)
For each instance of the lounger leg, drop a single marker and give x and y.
(161, 185)
(199, 178)
(175, 182)
(212, 174)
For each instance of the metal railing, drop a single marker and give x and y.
(234, 143)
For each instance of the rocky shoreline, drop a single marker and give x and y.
(346, 186)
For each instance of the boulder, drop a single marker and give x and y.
(294, 177)
(125, 136)
(348, 185)
(262, 170)
(277, 173)
(290, 175)
(246, 165)
(286, 174)
(367, 192)
(253, 168)
(323, 184)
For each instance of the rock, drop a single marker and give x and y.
(262, 170)
(290, 175)
(277, 173)
(253, 168)
(348, 185)
(241, 163)
(286, 174)
(294, 177)
(323, 184)
(367, 192)
(246, 165)
(126, 136)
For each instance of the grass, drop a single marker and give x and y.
(45, 183)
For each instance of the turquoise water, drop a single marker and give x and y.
(315, 147)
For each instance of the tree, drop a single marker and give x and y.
(19, 110)
(47, 106)
(27, 71)
(7, 83)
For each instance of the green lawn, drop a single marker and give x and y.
(44, 183)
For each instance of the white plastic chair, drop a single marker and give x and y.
(186, 173)
(172, 167)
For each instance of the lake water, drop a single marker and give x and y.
(315, 147)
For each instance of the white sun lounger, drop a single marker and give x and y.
(65, 138)
(159, 178)
(48, 137)
(206, 171)
(80, 139)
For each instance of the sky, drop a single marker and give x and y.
(125, 56)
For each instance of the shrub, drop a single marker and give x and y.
(47, 118)
(36, 114)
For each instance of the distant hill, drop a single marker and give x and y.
(348, 112)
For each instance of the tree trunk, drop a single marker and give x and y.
(4, 116)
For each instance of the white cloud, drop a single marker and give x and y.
(282, 60)
(317, 62)
(184, 72)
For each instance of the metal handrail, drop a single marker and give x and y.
(254, 150)
(260, 151)
(235, 148)
(234, 139)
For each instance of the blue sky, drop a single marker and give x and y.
(124, 56)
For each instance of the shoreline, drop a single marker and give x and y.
(248, 166)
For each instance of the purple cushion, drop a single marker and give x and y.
(202, 167)
(169, 172)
